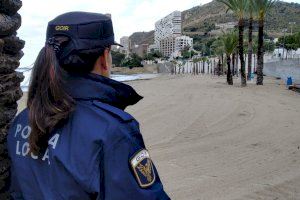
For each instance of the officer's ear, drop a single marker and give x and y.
(107, 58)
(103, 64)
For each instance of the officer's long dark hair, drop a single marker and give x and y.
(48, 102)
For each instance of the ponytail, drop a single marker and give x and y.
(48, 103)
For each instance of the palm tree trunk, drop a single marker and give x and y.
(174, 69)
(237, 65)
(222, 64)
(10, 54)
(219, 68)
(233, 64)
(193, 69)
(208, 68)
(241, 52)
(250, 48)
(260, 52)
(229, 75)
(214, 67)
(254, 64)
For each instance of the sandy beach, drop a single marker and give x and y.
(211, 141)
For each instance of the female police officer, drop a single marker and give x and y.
(74, 140)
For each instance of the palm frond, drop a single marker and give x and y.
(239, 7)
(263, 6)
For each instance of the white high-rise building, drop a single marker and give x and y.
(183, 41)
(125, 42)
(167, 46)
(169, 26)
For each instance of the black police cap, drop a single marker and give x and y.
(85, 30)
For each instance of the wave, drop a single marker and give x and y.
(121, 78)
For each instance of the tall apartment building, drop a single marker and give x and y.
(166, 28)
(182, 42)
(167, 46)
(126, 43)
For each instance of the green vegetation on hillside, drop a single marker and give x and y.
(200, 23)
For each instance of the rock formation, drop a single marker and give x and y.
(10, 54)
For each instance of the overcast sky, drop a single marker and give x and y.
(128, 16)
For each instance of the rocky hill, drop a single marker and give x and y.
(203, 19)
(208, 18)
(142, 38)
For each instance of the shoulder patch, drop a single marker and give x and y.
(113, 110)
(142, 166)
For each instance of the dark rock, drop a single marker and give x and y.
(3, 132)
(8, 64)
(12, 45)
(4, 176)
(6, 115)
(9, 86)
(4, 165)
(4, 196)
(10, 96)
(10, 91)
(3, 149)
(10, 7)
(9, 106)
(15, 77)
(19, 55)
(1, 45)
(9, 24)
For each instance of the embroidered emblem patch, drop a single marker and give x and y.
(142, 167)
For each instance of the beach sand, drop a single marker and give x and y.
(211, 141)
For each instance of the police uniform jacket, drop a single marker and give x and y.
(98, 153)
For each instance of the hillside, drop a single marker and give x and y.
(201, 20)
(142, 38)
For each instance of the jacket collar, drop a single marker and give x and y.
(96, 87)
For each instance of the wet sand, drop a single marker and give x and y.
(211, 141)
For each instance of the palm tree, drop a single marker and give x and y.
(218, 48)
(233, 63)
(230, 42)
(239, 7)
(250, 38)
(10, 54)
(173, 67)
(195, 60)
(261, 7)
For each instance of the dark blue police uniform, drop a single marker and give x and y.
(98, 153)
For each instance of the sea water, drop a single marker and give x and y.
(121, 78)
